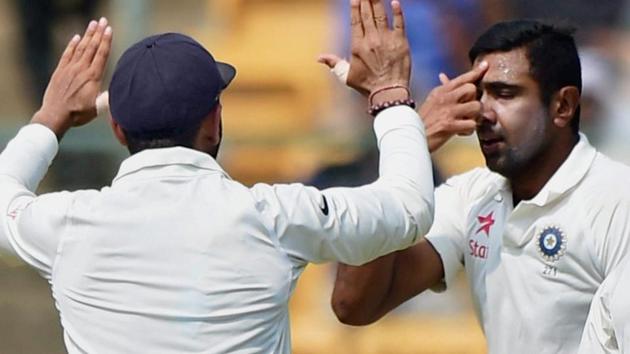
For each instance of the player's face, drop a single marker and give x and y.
(515, 124)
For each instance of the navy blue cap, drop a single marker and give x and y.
(166, 84)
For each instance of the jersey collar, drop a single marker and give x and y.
(165, 157)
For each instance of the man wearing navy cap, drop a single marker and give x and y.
(174, 256)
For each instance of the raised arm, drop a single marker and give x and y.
(357, 225)
(30, 226)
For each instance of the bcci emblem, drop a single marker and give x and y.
(552, 243)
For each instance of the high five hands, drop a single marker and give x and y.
(70, 98)
(380, 57)
(380, 52)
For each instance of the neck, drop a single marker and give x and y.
(532, 178)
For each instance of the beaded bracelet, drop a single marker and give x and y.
(385, 88)
(376, 109)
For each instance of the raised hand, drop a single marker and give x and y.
(70, 98)
(380, 54)
(452, 108)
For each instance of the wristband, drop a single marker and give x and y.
(391, 87)
(376, 109)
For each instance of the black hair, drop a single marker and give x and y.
(551, 51)
(155, 140)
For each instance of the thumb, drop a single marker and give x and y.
(338, 66)
(329, 60)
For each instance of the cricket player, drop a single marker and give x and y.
(538, 229)
(175, 256)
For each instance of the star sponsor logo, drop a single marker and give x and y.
(552, 243)
(478, 250)
(485, 223)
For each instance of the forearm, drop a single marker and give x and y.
(405, 163)
(359, 292)
(23, 164)
(27, 156)
(58, 124)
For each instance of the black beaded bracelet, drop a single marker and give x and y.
(378, 108)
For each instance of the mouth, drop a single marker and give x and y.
(491, 145)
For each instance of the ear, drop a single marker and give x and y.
(210, 132)
(118, 131)
(564, 105)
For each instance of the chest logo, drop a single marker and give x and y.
(485, 223)
(552, 243)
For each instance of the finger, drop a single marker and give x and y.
(380, 16)
(471, 76)
(356, 26)
(462, 127)
(468, 111)
(467, 132)
(443, 78)
(89, 32)
(464, 93)
(102, 54)
(367, 17)
(328, 59)
(95, 42)
(69, 51)
(398, 21)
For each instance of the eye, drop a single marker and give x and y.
(505, 94)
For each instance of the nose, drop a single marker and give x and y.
(488, 114)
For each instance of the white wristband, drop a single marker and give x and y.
(102, 103)
(341, 70)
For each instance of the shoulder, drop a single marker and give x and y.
(607, 169)
(607, 181)
(266, 195)
(602, 199)
(473, 184)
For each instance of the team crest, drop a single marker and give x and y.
(552, 243)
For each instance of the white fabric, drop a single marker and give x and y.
(607, 328)
(175, 257)
(524, 302)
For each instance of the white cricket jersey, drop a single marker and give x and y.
(176, 257)
(607, 329)
(533, 268)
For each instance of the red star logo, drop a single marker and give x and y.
(486, 223)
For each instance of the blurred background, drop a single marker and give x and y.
(286, 119)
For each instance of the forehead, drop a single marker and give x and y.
(509, 67)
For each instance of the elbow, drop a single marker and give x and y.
(424, 217)
(419, 205)
(349, 313)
